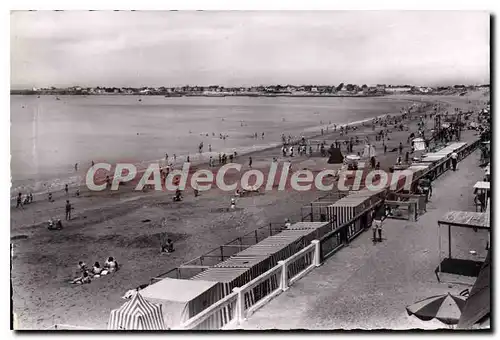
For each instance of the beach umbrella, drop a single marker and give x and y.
(446, 308)
(137, 314)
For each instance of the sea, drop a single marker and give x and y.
(50, 134)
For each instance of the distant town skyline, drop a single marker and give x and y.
(233, 49)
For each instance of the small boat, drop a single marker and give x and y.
(57, 98)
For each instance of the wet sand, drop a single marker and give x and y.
(112, 224)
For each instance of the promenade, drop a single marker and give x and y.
(368, 286)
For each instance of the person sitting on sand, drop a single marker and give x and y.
(169, 246)
(97, 269)
(55, 224)
(111, 265)
(178, 195)
(85, 278)
(82, 266)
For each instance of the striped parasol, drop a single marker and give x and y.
(137, 314)
(446, 308)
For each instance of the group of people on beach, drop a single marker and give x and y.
(20, 203)
(223, 159)
(86, 275)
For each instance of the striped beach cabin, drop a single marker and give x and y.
(137, 314)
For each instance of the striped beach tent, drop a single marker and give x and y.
(137, 314)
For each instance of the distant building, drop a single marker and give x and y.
(398, 89)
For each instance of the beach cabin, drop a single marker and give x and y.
(227, 278)
(346, 209)
(264, 255)
(181, 299)
(319, 229)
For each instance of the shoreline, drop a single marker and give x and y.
(197, 159)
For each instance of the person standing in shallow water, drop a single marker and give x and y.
(19, 201)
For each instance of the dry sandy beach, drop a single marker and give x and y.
(127, 225)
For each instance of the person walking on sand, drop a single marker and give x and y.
(166, 156)
(454, 159)
(250, 162)
(68, 210)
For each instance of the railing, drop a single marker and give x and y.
(218, 315)
(245, 300)
(409, 212)
(199, 264)
(301, 263)
(316, 211)
(336, 239)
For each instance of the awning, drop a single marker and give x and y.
(478, 305)
(467, 219)
(482, 185)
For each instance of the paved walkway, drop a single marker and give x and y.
(368, 285)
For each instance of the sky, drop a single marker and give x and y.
(244, 48)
